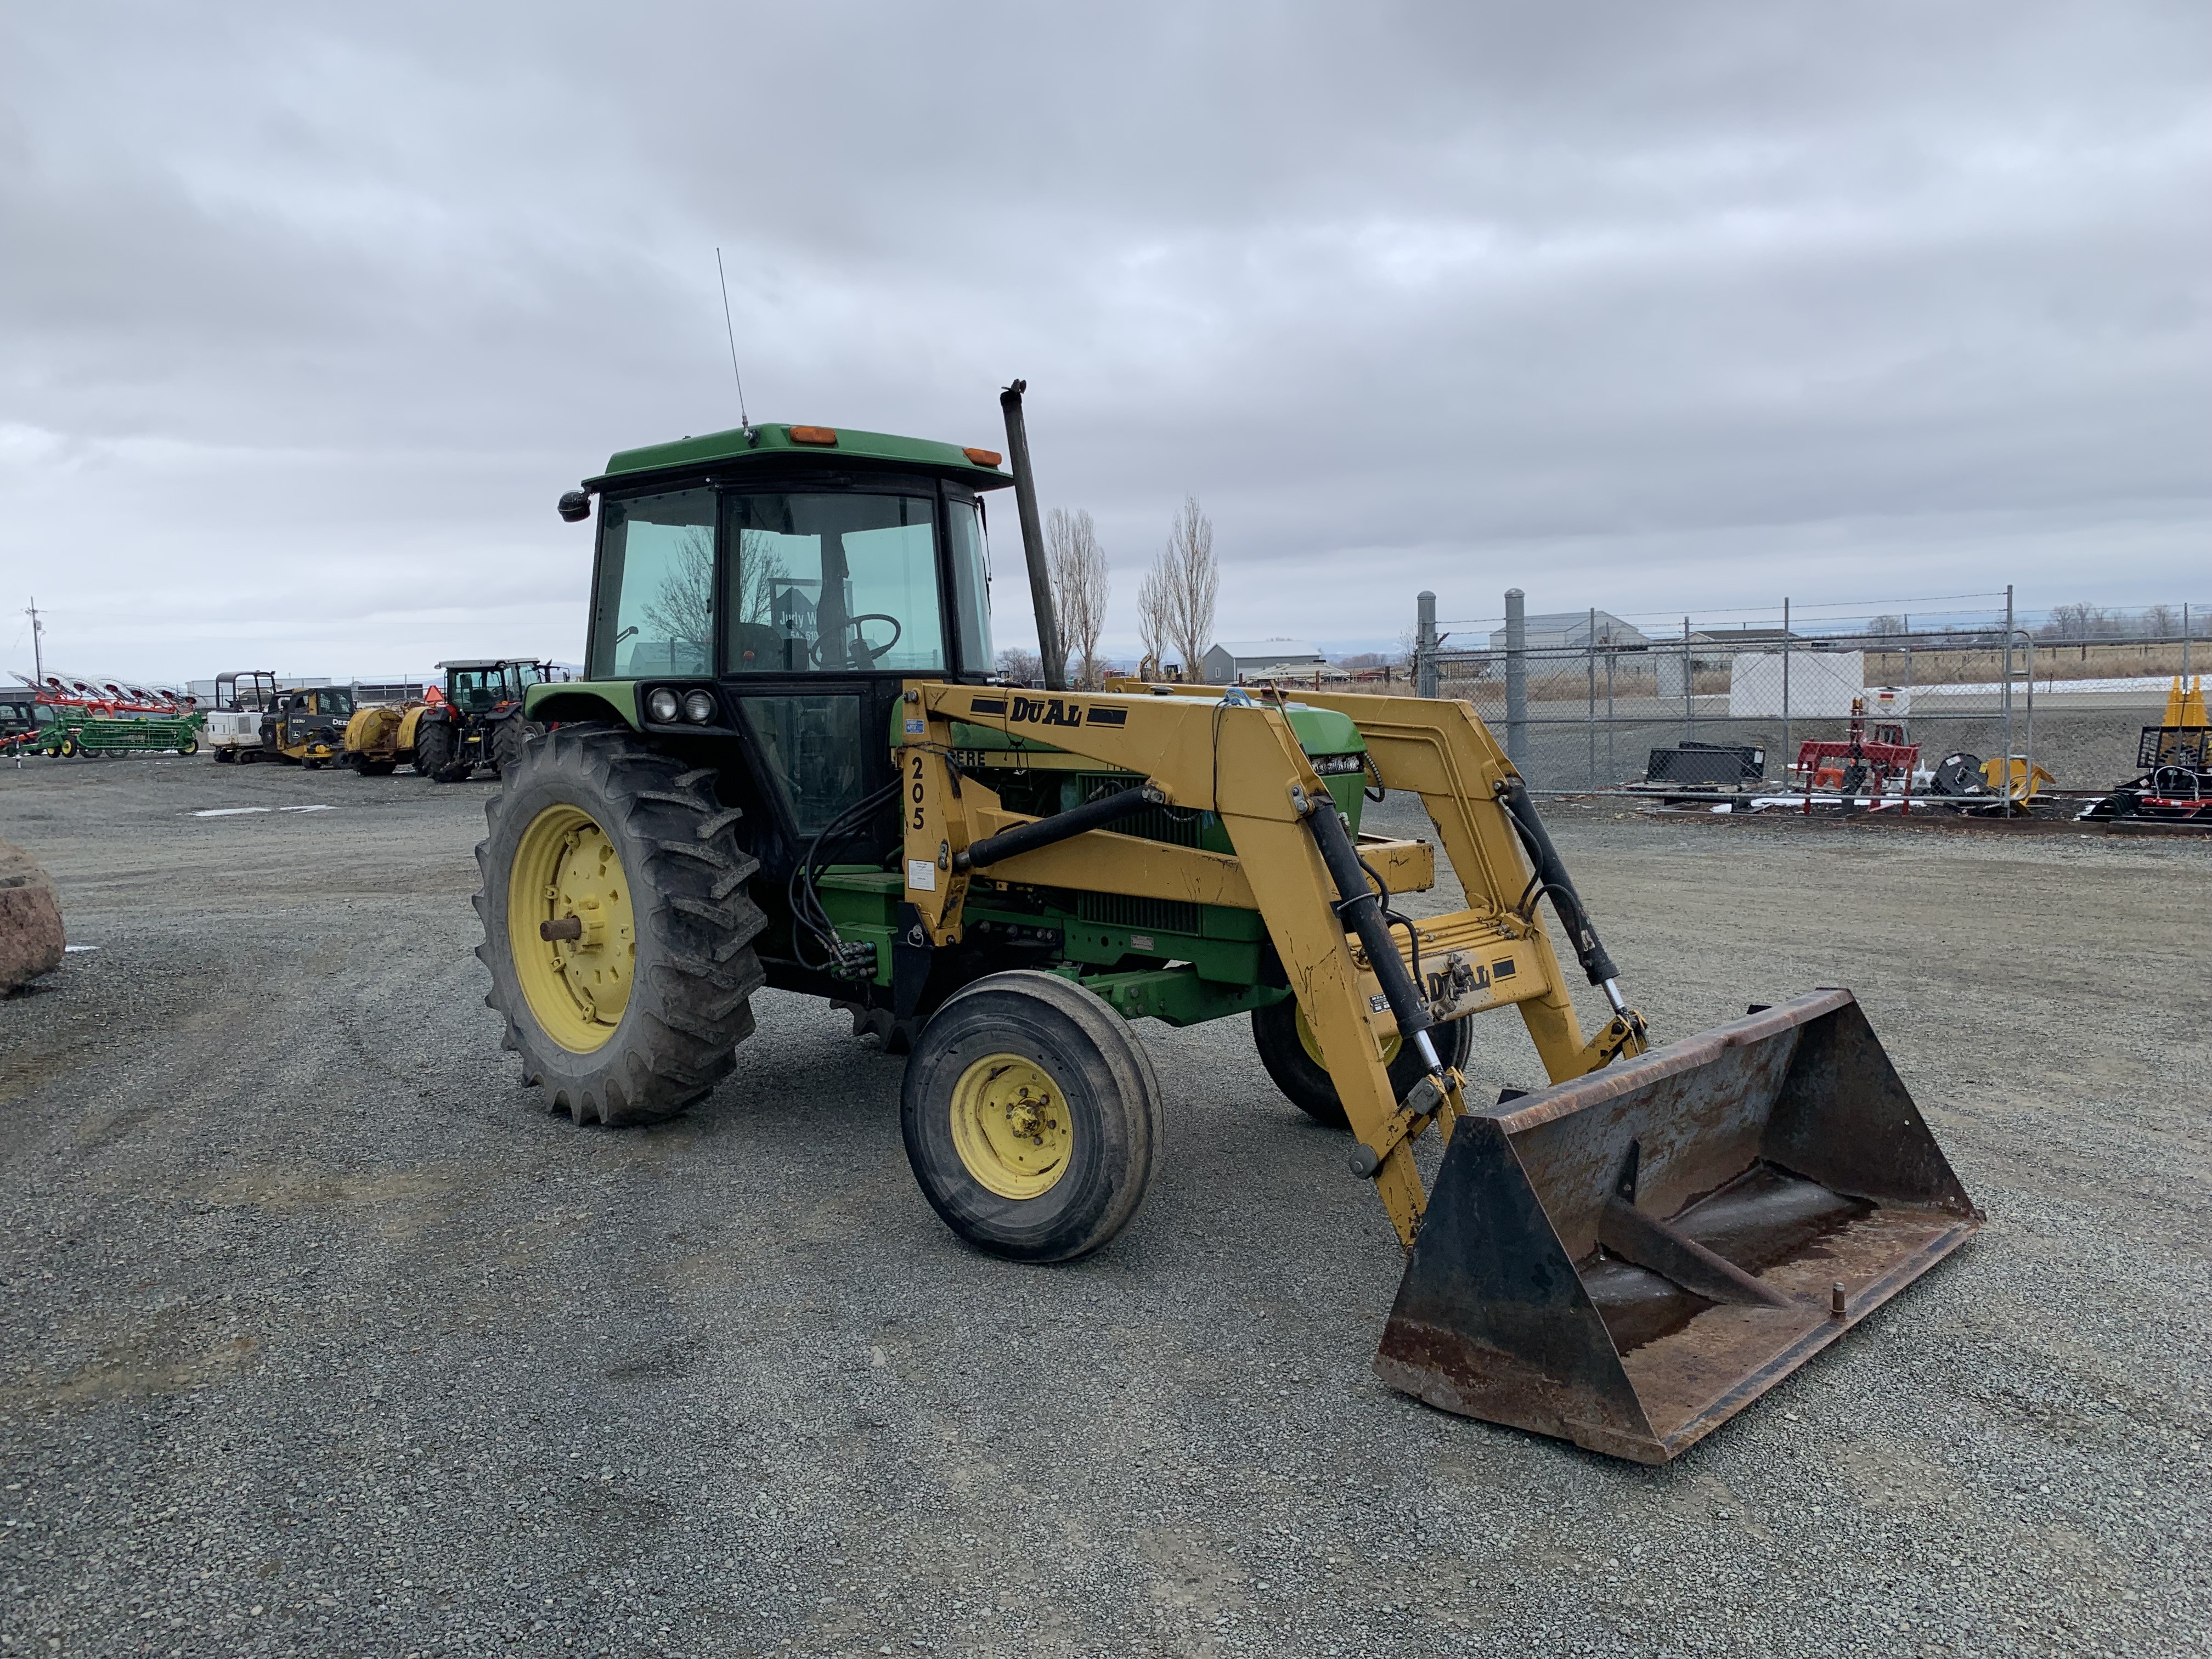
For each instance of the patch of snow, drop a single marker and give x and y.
(229, 811)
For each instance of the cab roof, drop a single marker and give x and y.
(772, 444)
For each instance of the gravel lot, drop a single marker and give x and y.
(320, 1336)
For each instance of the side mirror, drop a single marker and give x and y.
(575, 507)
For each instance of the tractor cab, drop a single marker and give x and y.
(482, 688)
(245, 691)
(775, 585)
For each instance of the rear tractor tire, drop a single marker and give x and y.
(433, 749)
(509, 739)
(617, 929)
(1292, 1056)
(1031, 1116)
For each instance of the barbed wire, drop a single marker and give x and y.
(1830, 612)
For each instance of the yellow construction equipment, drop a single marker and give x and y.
(824, 791)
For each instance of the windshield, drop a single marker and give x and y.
(832, 584)
(332, 701)
(476, 691)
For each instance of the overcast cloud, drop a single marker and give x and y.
(308, 314)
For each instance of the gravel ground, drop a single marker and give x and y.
(320, 1336)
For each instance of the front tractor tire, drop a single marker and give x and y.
(1291, 1055)
(635, 1004)
(1031, 1116)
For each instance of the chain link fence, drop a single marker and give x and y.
(1588, 712)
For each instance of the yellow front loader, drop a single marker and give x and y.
(811, 780)
(1625, 1259)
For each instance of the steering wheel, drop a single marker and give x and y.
(861, 647)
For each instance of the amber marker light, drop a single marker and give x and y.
(982, 456)
(814, 434)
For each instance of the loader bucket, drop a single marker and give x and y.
(1628, 1259)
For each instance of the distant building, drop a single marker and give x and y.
(1225, 662)
(1571, 630)
(391, 688)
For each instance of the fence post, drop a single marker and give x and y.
(1789, 755)
(1425, 646)
(1689, 676)
(2005, 772)
(1589, 656)
(2184, 644)
(1517, 678)
(1611, 762)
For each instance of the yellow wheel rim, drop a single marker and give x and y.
(566, 868)
(1311, 1044)
(1012, 1126)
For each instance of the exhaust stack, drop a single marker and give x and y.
(1025, 503)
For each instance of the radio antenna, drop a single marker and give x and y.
(731, 328)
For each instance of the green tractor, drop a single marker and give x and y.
(478, 720)
(715, 809)
(788, 763)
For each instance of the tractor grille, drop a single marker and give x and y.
(1145, 915)
(1179, 829)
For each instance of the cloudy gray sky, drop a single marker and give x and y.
(307, 313)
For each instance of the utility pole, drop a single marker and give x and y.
(38, 628)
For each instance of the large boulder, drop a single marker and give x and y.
(30, 919)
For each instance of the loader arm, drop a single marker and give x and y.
(1241, 760)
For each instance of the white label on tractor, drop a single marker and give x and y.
(1378, 1004)
(917, 728)
(921, 875)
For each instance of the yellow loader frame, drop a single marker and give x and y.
(1625, 1258)
(1202, 748)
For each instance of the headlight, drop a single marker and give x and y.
(661, 706)
(698, 707)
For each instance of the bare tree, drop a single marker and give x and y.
(2159, 621)
(1080, 586)
(2079, 621)
(760, 572)
(1021, 667)
(1190, 585)
(1885, 627)
(681, 611)
(1155, 620)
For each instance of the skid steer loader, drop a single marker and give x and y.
(788, 763)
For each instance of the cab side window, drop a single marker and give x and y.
(655, 611)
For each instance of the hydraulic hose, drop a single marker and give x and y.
(1552, 878)
(1060, 826)
(1361, 908)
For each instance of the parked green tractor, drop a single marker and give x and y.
(789, 763)
(479, 719)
